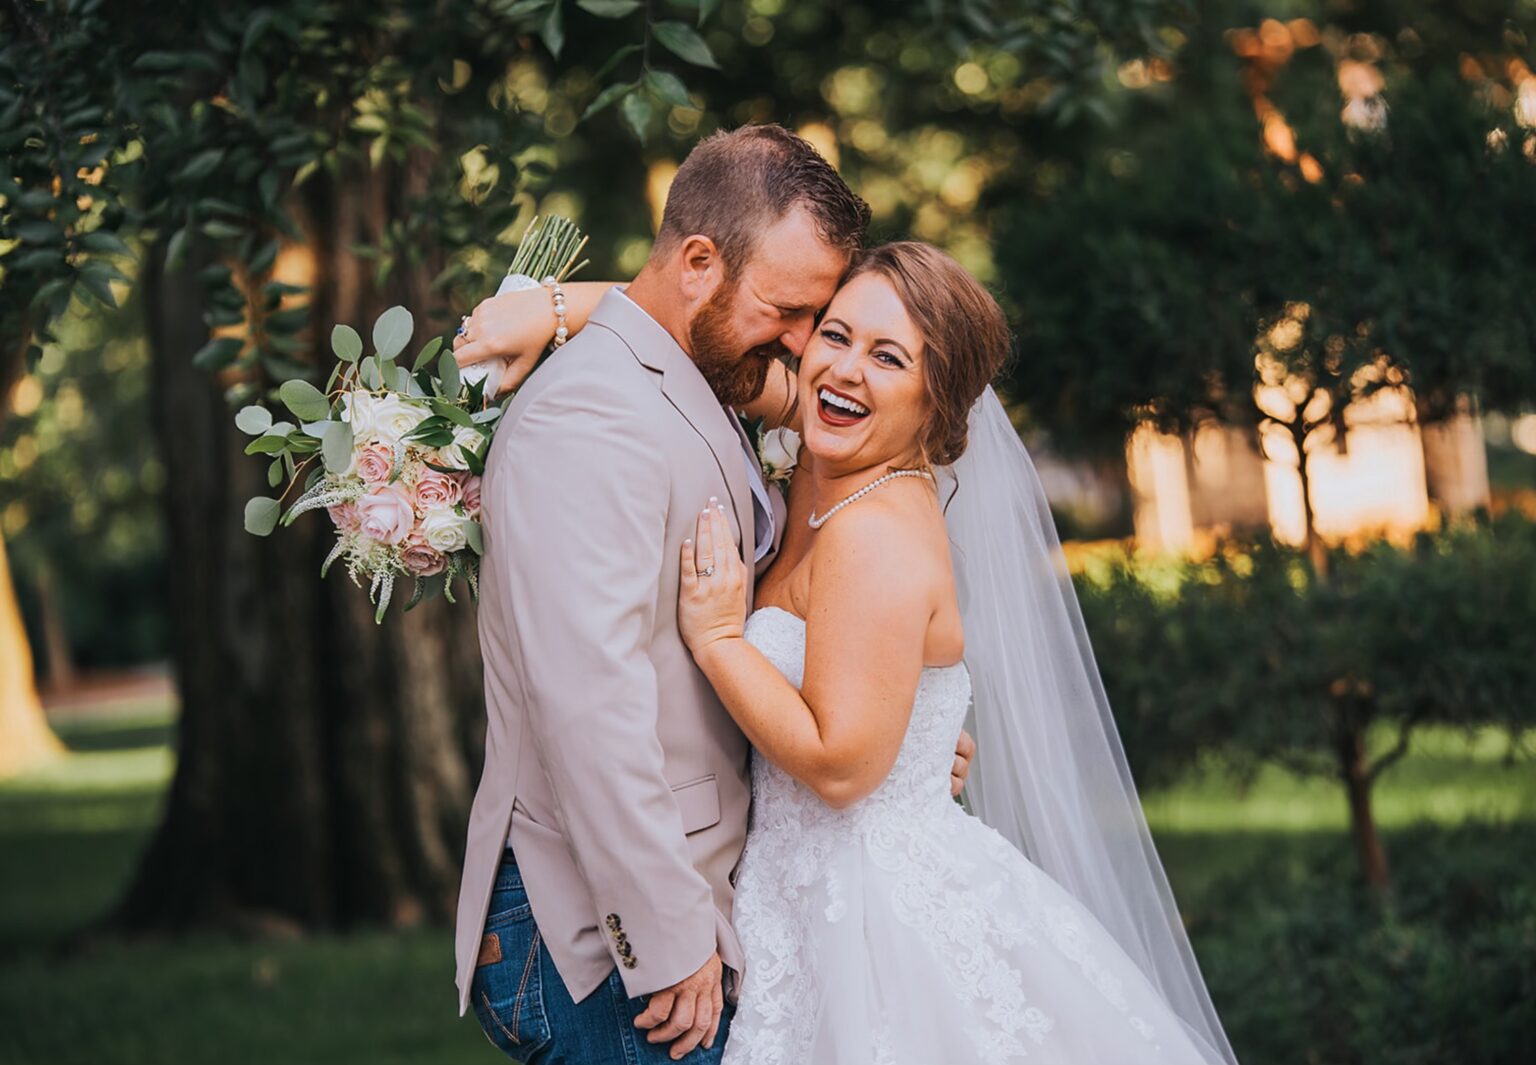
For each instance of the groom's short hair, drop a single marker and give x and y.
(736, 183)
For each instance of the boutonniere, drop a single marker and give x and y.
(778, 452)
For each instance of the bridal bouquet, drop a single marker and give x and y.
(394, 454)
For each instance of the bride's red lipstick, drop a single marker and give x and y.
(837, 416)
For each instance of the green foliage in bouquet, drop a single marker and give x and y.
(393, 452)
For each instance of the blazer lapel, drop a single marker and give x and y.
(688, 392)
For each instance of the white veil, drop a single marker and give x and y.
(1050, 774)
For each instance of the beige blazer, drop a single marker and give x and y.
(609, 761)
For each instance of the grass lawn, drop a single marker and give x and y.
(69, 836)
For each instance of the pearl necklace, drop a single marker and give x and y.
(817, 523)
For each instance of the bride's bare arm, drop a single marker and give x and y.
(520, 325)
(779, 404)
(840, 733)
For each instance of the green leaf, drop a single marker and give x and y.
(345, 342)
(472, 459)
(476, 539)
(275, 473)
(448, 375)
(609, 8)
(176, 249)
(267, 445)
(201, 165)
(336, 447)
(668, 87)
(606, 97)
(218, 353)
(368, 373)
(454, 413)
(97, 284)
(261, 516)
(104, 241)
(637, 112)
(305, 400)
(684, 42)
(706, 9)
(159, 62)
(552, 32)
(253, 420)
(427, 354)
(392, 332)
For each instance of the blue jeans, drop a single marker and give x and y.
(526, 1012)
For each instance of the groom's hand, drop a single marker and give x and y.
(965, 750)
(688, 1012)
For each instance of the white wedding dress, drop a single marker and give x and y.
(903, 931)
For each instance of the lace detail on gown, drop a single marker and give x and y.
(902, 931)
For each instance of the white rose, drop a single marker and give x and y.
(779, 452)
(444, 530)
(357, 410)
(465, 436)
(394, 416)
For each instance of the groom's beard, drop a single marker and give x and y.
(735, 378)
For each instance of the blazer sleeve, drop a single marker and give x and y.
(582, 509)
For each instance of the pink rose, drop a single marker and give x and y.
(421, 559)
(435, 489)
(346, 517)
(387, 514)
(471, 493)
(374, 462)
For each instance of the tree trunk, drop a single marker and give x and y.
(326, 763)
(1316, 549)
(26, 741)
(58, 659)
(1355, 773)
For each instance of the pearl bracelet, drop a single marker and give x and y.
(562, 333)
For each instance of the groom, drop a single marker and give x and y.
(594, 920)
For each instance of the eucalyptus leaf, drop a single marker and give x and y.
(345, 342)
(253, 420)
(368, 373)
(392, 332)
(305, 400)
(336, 447)
(476, 539)
(261, 515)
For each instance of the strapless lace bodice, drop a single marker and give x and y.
(918, 784)
(900, 930)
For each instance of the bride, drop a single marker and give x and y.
(920, 580)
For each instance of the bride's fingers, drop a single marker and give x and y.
(689, 570)
(705, 552)
(719, 535)
(472, 351)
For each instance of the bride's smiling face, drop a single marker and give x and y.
(861, 381)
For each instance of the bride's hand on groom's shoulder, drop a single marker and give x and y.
(516, 326)
(712, 595)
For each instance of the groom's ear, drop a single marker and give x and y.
(701, 268)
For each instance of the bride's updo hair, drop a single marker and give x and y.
(965, 336)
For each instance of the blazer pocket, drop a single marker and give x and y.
(699, 803)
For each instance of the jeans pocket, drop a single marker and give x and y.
(507, 992)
